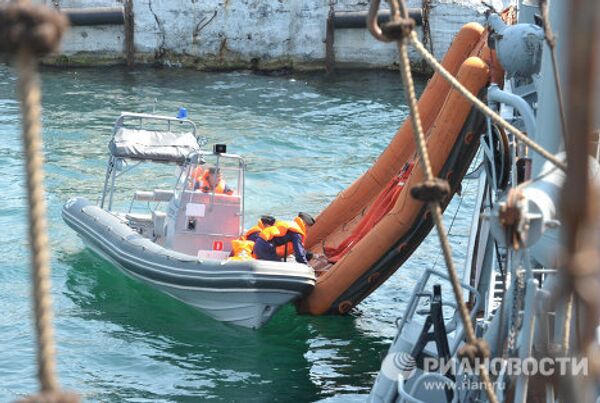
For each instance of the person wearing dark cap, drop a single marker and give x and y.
(264, 222)
(283, 238)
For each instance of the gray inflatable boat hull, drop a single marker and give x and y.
(245, 293)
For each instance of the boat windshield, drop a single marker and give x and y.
(216, 173)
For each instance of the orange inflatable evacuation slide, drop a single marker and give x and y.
(374, 225)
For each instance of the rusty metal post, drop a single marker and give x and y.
(426, 11)
(329, 39)
(129, 32)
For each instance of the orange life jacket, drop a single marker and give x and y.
(197, 175)
(257, 228)
(206, 188)
(242, 250)
(281, 228)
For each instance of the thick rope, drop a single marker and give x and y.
(429, 58)
(436, 213)
(29, 93)
(27, 32)
(411, 95)
(475, 346)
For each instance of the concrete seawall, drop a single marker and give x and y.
(259, 34)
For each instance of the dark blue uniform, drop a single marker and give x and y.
(266, 250)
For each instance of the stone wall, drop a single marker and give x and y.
(264, 34)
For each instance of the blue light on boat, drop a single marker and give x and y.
(182, 113)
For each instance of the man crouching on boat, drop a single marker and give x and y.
(283, 238)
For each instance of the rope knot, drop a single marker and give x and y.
(431, 191)
(35, 28)
(400, 29)
(475, 352)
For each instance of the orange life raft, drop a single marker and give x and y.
(374, 225)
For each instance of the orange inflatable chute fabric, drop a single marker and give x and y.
(380, 207)
(351, 201)
(473, 74)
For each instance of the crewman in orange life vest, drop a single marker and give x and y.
(264, 222)
(287, 235)
(196, 177)
(242, 248)
(212, 180)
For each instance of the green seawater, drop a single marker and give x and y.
(305, 138)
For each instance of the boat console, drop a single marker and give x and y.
(201, 222)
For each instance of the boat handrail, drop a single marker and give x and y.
(419, 292)
(225, 155)
(145, 116)
(150, 196)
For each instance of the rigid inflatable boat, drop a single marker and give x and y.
(374, 225)
(180, 242)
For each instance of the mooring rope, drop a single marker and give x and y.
(436, 213)
(26, 33)
(433, 190)
(29, 94)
